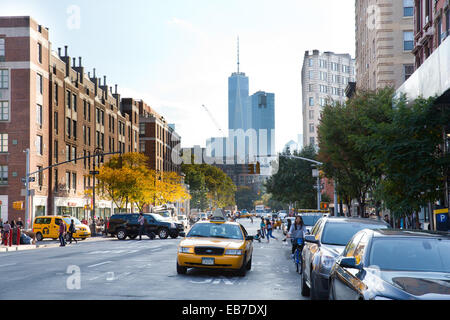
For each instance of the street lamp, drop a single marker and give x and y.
(97, 153)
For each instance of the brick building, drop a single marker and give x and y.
(431, 27)
(52, 107)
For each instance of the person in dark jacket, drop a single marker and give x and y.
(62, 232)
(72, 230)
(141, 222)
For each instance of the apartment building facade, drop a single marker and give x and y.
(384, 43)
(50, 106)
(431, 27)
(324, 79)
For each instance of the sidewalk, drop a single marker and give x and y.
(47, 244)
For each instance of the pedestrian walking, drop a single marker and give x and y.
(6, 231)
(72, 230)
(62, 233)
(263, 228)
(269, 228)
(141, 221)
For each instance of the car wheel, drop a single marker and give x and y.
(181, 270)
(39, 236)
(305, 289)
(121, 234)
(133, 237)
(249, 265)
(163, 233)
(243, 270)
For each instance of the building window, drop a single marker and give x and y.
(2, 49)
(311, 114)
(74, 103)
(408, 70)
(323, 102)
(142, 146)
(4, 79)
(3, 175)
(74, 129)
(4, 110)
(55, 151)
(89, 136)
(39, 145)
(310, 88)
(56, 180)
(89, 112)
(85, 109)
(103, 117)
(84, 135)
(312, 141)
(323, 76)
(55, 117)
(311, 62)
(311, 102)
(67, 180)
(323, 89)
(68, 96)
(68, 125)
(74, 181)
(39, 115)
(40, 177)
(39, 52)
(39, 85)
(311, 74)
(3, 142)
(67, 152)
(447, 21)
(408, 8)
(439, 31)
(74, 154)
(311, 128)
(56, 94)
(142, 128)
(408, 40)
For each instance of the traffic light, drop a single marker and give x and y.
(324, 206)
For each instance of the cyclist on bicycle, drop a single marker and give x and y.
(297, 231)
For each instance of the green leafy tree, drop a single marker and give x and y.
(294, 183)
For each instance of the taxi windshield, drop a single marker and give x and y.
(213, 230)
(75, 221)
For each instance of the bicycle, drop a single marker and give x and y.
(297, 256)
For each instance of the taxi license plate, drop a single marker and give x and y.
(208, 261)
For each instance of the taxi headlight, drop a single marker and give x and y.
(233, 252)
(185, 250)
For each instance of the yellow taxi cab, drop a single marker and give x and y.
(47, 227)
(216, 244)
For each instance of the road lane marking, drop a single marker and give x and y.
(99, 264)
(8, 265)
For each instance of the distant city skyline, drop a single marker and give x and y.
(176, 55)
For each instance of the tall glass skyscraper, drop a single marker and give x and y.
(263, 122)
(238, 110)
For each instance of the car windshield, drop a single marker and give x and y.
(309, 221)
(213, 230)
(411, 254)
(340, 233)
(75, 221)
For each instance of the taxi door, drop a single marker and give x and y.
(54, 229)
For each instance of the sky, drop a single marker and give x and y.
(177, 55)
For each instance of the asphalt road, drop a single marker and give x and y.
(131, 269)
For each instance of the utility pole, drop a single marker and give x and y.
(336, 209)
(27, 187)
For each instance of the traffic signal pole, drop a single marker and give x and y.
(27, 188)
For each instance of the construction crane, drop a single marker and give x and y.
(213, 120)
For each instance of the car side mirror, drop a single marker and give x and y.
(249, 238)
(349, 262)
(311, 239)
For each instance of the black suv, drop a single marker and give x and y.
(126, 225)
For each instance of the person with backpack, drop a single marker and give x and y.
(72, 230)
(6, 231)
(297, 231)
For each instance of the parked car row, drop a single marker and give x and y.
(362, 259)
